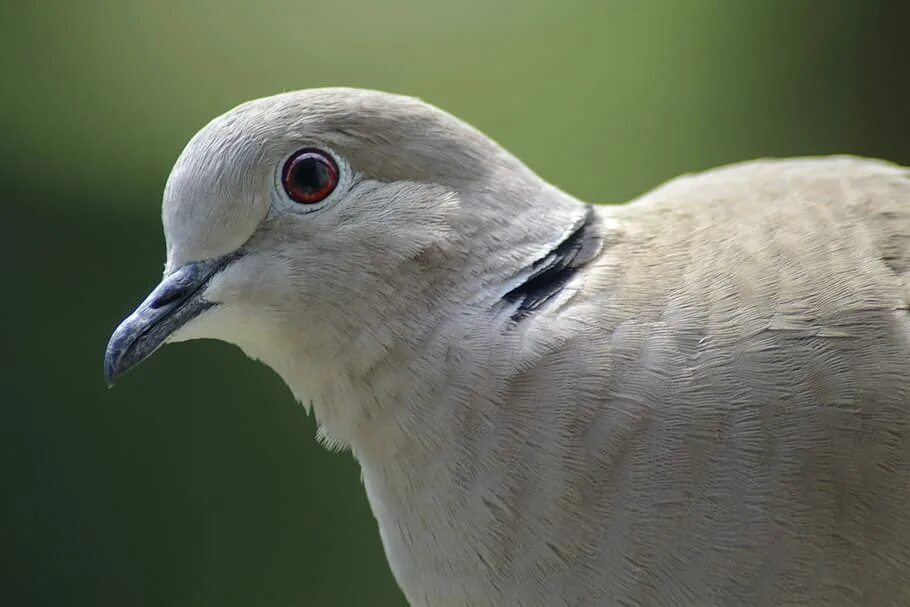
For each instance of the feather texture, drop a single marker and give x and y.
(701, 397)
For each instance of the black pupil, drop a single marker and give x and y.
(310, 175)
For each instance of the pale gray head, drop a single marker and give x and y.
(316, 229)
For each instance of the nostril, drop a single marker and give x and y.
(169, 296)
(183, 283)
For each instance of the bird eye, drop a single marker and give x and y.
(309, 176)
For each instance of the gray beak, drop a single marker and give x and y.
(173, 303)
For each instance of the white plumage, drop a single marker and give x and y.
(701, 397)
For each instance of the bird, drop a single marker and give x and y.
(697, 397)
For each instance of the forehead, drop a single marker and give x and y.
(384, 137)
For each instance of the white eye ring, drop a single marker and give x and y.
(310, 178)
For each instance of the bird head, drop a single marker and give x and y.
(324, 229)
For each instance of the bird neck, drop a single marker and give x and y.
(386, 368)
(420, 412)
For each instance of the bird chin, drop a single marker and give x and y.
(235, 325)
(214, 323)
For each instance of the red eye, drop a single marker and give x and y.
(309, 176)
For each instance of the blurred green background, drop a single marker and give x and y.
(197, 480)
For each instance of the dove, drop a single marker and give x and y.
(698, 397)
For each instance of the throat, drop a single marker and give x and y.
(546, 277)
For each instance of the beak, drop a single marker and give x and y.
(173, 303)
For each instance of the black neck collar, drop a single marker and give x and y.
(547, 276)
